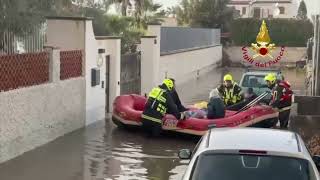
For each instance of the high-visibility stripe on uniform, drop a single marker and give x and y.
(229, 95)
(151, 118)
(156, 94)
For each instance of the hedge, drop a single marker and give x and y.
(283, 32)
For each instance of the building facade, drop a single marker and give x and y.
(313, 8)
(265, 8)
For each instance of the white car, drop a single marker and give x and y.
(250, 154)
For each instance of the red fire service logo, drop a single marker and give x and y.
(261, 54)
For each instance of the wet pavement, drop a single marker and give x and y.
(102, 151)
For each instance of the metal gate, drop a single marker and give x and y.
(130, 73)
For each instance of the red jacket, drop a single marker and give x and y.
(282, 95)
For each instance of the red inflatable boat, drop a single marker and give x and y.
(127, 110)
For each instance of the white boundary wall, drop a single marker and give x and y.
(79, 35)
(181, 65)
(33, 116)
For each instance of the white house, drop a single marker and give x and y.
(265, 8)
(313, 7)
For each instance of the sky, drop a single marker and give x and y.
(167, 3)
(313, 6)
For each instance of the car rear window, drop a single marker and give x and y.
(253, 81)
(250, 167)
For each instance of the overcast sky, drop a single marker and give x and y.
(167, 3)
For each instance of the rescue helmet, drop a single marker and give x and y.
(271, 77)
(227, 77)
(168, 83)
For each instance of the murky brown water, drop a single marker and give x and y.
(200, 88)
(102, 151)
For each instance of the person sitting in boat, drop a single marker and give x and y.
(176, 98)
(230, 91)
(216, 107)
(213, 110)
(158, 104)
(249, 96)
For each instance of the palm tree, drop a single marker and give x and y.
(124, 5)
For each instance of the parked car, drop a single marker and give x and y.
(250, 154)
(254, 79)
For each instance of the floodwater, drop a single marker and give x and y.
(201, 87)
(104, 152)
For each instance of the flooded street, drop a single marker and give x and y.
(199, 90)
(102, 151)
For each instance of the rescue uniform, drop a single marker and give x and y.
(177, 101)
(158, 104)
(230, 95)
(282, 99)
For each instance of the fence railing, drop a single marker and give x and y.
(22, 70)
(70, 64)
(130, 73)
(179, 38)
(26, 43)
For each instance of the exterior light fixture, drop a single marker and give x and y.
(100, 57)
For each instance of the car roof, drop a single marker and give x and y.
(253, 139)
(258, 73)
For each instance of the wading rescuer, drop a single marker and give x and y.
(230, 91)
(281, 98)
(158, 104)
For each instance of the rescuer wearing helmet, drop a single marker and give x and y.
(281, 98)
(230, 91)
(158, 104)
(176, 98)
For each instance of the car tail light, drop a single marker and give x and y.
(252, 152)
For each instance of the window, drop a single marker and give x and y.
(250, 167)
(237, 13)
(282, 10)
(253, 81)
(244, 10)
(256, 13)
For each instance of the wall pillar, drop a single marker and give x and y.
(95, 95)
(155, 30)
(113, 45)
(112, 56)
(149, 63)
(54, 64)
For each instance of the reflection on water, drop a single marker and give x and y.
(133, 156)
(102, 151)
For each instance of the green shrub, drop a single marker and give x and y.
(283, 32)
